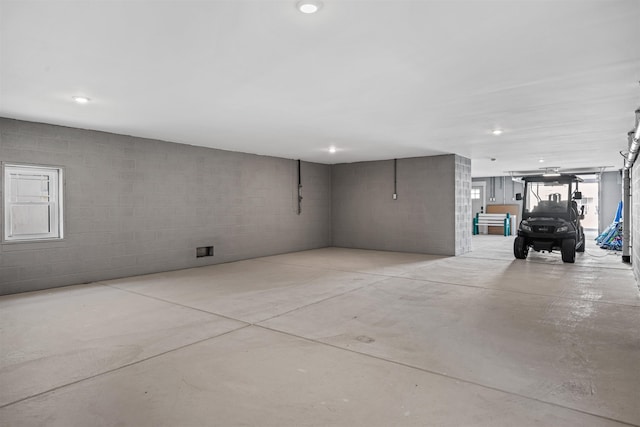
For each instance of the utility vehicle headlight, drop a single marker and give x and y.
(562, 229)
(524, 226)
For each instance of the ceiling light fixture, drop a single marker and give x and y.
(497, 132)
(309, 6)
(332, 149)
(541, 161)
(81, 99)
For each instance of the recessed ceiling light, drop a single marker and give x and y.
(81, 99)
(332, 149)
(497, 132)
(541, 160)
(309, 6)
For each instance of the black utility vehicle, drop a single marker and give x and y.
(550, 217)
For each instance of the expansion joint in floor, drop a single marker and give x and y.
(450, 377)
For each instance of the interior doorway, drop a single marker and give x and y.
(478, 202)
(590, 190)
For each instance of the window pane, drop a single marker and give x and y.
(30, 219)
(30, 188)
(32, 202)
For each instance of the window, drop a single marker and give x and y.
(475, 194)
(32, 202)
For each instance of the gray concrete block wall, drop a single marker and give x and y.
(423, 219)
(135, 206)
(463, 225)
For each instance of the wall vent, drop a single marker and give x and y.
(204, 251)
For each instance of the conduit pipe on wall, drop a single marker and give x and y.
(504, 192)
(299, 190)
(395, 179)
(492, 189)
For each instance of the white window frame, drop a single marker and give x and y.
(55, 202)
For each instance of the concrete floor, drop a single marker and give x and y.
(333, 337)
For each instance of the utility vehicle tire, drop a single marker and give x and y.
(568, 250)
(583, 242)
(520, 249)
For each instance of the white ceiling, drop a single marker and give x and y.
(378, 79)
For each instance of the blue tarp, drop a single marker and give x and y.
(611, 237)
